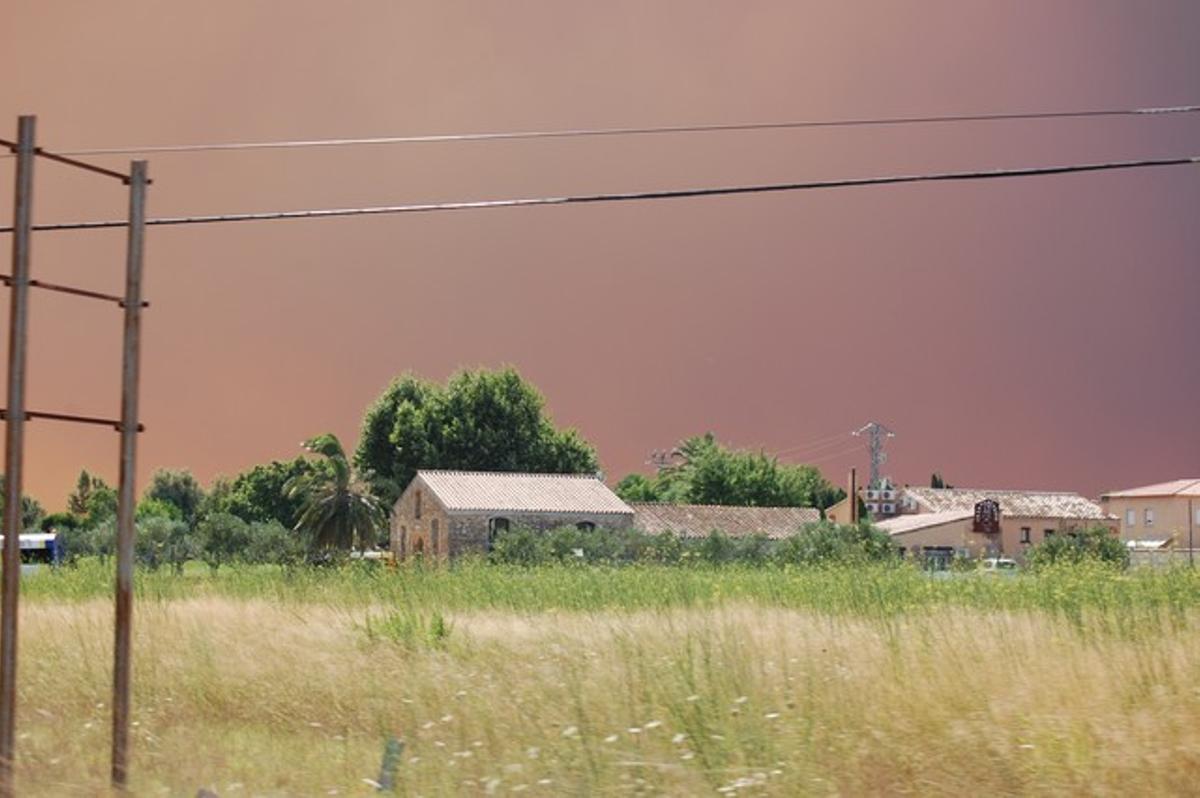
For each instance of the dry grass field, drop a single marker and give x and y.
(262, 696)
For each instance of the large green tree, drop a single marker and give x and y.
(337, 510)
(179, 488)
(259, 493)
(32, 512)
(481, 420)
(705, 472)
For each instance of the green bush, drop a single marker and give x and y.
(271, 543)
(164, 541)
(828, 543)
(1096, 544)
(222, 538)
(520, 546)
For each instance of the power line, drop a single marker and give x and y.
(576, 199)
(631, 131)
(815, 445)
(812, 441)
(625, 196)
(832, 456)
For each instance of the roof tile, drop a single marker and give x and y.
(491, 491)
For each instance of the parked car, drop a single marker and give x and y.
(998, 565)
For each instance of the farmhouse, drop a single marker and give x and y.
(1167, 513)
(698, 520)
(447, 513)
(948, 521)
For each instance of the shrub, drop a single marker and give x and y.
(271, 543)
(827, 543)
(164, 541)
(520, 546)
(222, 539)
(1097, 544)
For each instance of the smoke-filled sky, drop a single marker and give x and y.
(1032, 333)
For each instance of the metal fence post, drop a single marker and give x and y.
(14, 446)
(127, 495)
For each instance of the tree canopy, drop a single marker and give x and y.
(258, 494)
(93, 501)
(481, 420)
(337, 510)
(179, 489)
(32, 512)
(709, 473)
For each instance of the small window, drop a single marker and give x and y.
(1149, 517)
(417, 505)
(403, 541)
(1026, 535)
(433, 534)
(1131, 518)
(1047, 534)
(585, 526)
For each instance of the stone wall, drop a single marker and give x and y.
(469, 531)
(412, 532)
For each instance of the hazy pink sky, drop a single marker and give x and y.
(1035, 333)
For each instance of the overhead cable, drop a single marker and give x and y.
(577, 199)
(629, 131)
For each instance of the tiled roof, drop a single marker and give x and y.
(913, 522)
(1178, 487)
(1019, 503)
(698, 520)
(522, 493)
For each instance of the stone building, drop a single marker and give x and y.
(445, 514)
(698, 520)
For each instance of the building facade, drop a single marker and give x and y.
(1021, 519)
(1167, 513)
(444, 514)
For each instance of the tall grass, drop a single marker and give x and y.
(467, 585)
(253, 697)
(565, 680)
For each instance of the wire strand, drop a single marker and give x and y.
(630, 131)
(820, 443)
(526, 202)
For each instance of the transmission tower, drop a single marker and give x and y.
(876, 434)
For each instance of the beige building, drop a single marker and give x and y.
(698, 520)
(1166, 513)
(444, 514)
(1026, 517)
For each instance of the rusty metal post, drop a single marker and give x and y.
(14, 446)
(126, 492)
(853, 497)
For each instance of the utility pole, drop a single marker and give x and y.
(876, 434)
(126, 493)
(853, 497)
(14, 444)
(15, 414)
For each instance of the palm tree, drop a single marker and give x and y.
(337, 511)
